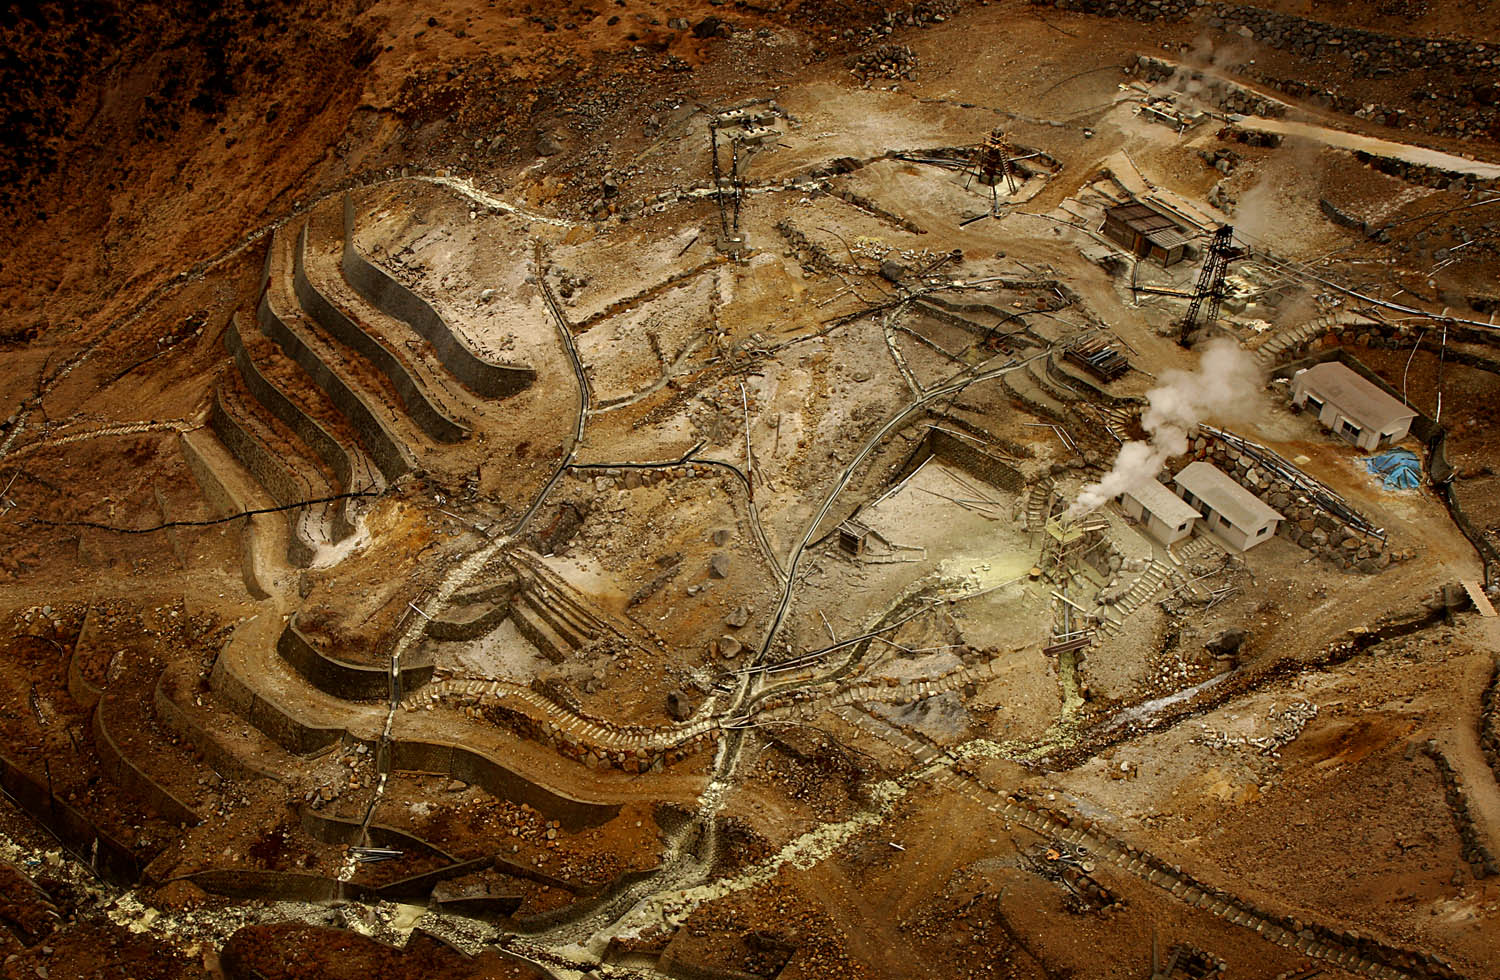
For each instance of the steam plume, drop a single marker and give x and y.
(1224, 384)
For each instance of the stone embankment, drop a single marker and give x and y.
(1307, 524)
(1459, 93)
(1472, 846)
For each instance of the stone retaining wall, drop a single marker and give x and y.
(1489, 720)
(380, 290)
(960, 454)
(1448, 68)
(1432, 435)
(1307, 524)
(431, 419)
(385, 449)
(1481, 862)
(306, 428)
(1224, 94)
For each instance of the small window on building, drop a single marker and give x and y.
(1315, 403)
(1348, 430)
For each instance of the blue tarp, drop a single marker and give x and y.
(1398, 469)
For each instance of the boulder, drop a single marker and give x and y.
(679, 706)
(1227, 643)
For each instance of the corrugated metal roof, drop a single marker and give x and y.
(1156, 498)
(1142, 218)
(1355, 396)
(1169, 238)
(1218, 490)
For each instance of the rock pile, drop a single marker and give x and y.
(1219, 91)
(886, 61)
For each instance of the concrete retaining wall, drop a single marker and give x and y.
(307, 428)
(449, 630)
(471, 767)
(350, 681)
(243, 697)
(248, 883)
(496, 380)
(224, 502)
(431, 419)
(337, 830)
(133, 778)
(114, 861)
(269, 471)
(387, 451)
(180, 722)
(79, 688)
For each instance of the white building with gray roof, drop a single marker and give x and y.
(1354, 408)
(1233, 514)
(1166, 516)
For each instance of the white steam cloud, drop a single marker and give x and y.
(1224, 385)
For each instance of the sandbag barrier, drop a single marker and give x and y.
(385, 449)
(386, 294)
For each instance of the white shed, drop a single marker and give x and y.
(1357, 410)
(1166, 516)
(1234, 514)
